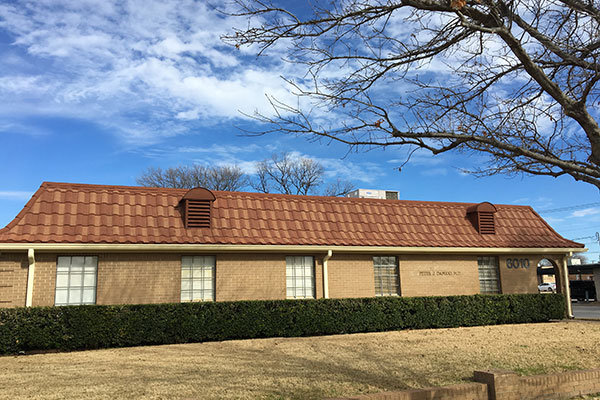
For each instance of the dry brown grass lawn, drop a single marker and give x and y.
(300, 368)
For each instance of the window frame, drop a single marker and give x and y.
(377, 275)
(72, 275)
(201, 269)
(483, 280)
(294, 267)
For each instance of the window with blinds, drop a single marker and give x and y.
(387, 280)
(489, 276)
(300, 277)
(198, 278)
(76, 280)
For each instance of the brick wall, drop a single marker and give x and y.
(503, 385)
(44, 282)
(438, 275)
(351, 275)
(13, 279)
(138, 278)
(560, 385)
(465, 391)
(506, 385)
(156, 278)
(250, 277)
(518, 279)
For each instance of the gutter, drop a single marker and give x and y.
(170, 247)
(325, 274)
(30, 276)
(567, 285)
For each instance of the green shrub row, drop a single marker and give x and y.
(93, 327)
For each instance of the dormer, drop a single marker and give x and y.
(196, 206)
(482, 217)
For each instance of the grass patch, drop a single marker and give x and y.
(303, 368)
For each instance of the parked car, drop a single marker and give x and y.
(547, 287)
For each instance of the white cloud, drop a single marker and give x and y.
(15, 195)
(162, 62)
(149, 69)
(247, 156)
(434, 171)
(553, 220)
(586, 212)
(18, 128)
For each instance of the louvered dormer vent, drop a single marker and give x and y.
(482, 217)
(197, 206)
(486, 223)
(197, 214)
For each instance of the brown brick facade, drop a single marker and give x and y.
(138, 278)
(515, 277)
(351, 275)
(156, 277)
(13, 279)
(438, 275)
(45, 279)
(250, 277)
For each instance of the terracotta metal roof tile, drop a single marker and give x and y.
(63, 213)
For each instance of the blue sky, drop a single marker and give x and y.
(97, 91)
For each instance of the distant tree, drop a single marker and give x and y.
(283, 173)
(338, 188)
(516, 81)
(227, 178)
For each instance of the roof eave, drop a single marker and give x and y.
(225, 248)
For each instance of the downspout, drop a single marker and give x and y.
(325, 274)
(566, 286)
(30, 276)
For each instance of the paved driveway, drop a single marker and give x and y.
(587, 310)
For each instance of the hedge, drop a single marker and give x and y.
(98, 326)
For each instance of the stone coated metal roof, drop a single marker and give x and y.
(78, 213)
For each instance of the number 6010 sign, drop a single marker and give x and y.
(517, 263)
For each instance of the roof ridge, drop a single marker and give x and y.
(222, 193)
(352, 199)
(107, 187)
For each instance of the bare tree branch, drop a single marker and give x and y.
(227, 178)
(519, 81)
(285, 174)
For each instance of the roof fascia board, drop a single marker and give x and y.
(115, 248)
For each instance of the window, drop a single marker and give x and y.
(488, 275)
(300, 277)
(197, 278)
(76, 280)
(387, 281)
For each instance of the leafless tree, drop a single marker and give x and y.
(514, 80)
(338, 188)
(228, 177)
(283, 173)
